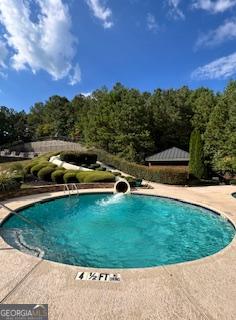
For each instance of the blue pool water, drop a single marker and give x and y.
(119, 231)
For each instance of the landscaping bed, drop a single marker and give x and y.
(40, 175)
(51, 188)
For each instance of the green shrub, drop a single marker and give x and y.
(131, 181)
(28, 167)
(94, 166)
(78, 158)
(38, 160)
(8, 183)
(45, 173)
(84, 165)
(138, 182)
(233, 182)
(196, 163)
(71, 171)
(116, 173)
(128, 178)
(134, 182)
(35, 169)
(57, 176)
(16, 167)
(100, 177)
(94, 176)
(70, 177)
(101, 169)
(17, 171)
(225, 165)
(81, 175)
(171, 175)
(18, 177)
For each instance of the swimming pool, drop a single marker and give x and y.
(118, 231)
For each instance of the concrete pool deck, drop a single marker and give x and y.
(201, 289)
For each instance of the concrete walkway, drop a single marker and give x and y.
(202, 289)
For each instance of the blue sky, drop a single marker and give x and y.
(68, 47)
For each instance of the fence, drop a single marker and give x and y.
(32, 149)
(46, 146)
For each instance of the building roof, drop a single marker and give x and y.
(172, 154)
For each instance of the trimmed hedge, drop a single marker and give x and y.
(81, 175)
(35, 169)
(39, 160)
(101, 169)
(57, 176)
(78, 157)
(94, 166)
(175, 176)
(45, 173)
(70, 177)
(171, 176)
(30, 165)
(94, 176)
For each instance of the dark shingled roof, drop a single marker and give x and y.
(172, 154)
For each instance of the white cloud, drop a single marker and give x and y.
(43, 45)
(101, 12)
(3, 58)
(222, 68)
(3, 54)
(174, 10)
(225, 32)
(214, 6)
(151, 22)
(75, 77)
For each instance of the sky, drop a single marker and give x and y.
(68, 47)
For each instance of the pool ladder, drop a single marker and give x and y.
(73, 187)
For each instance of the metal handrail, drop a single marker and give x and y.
(75, 187)
(66, 188)
(22, 217)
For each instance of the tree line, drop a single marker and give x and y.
(134, 124)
